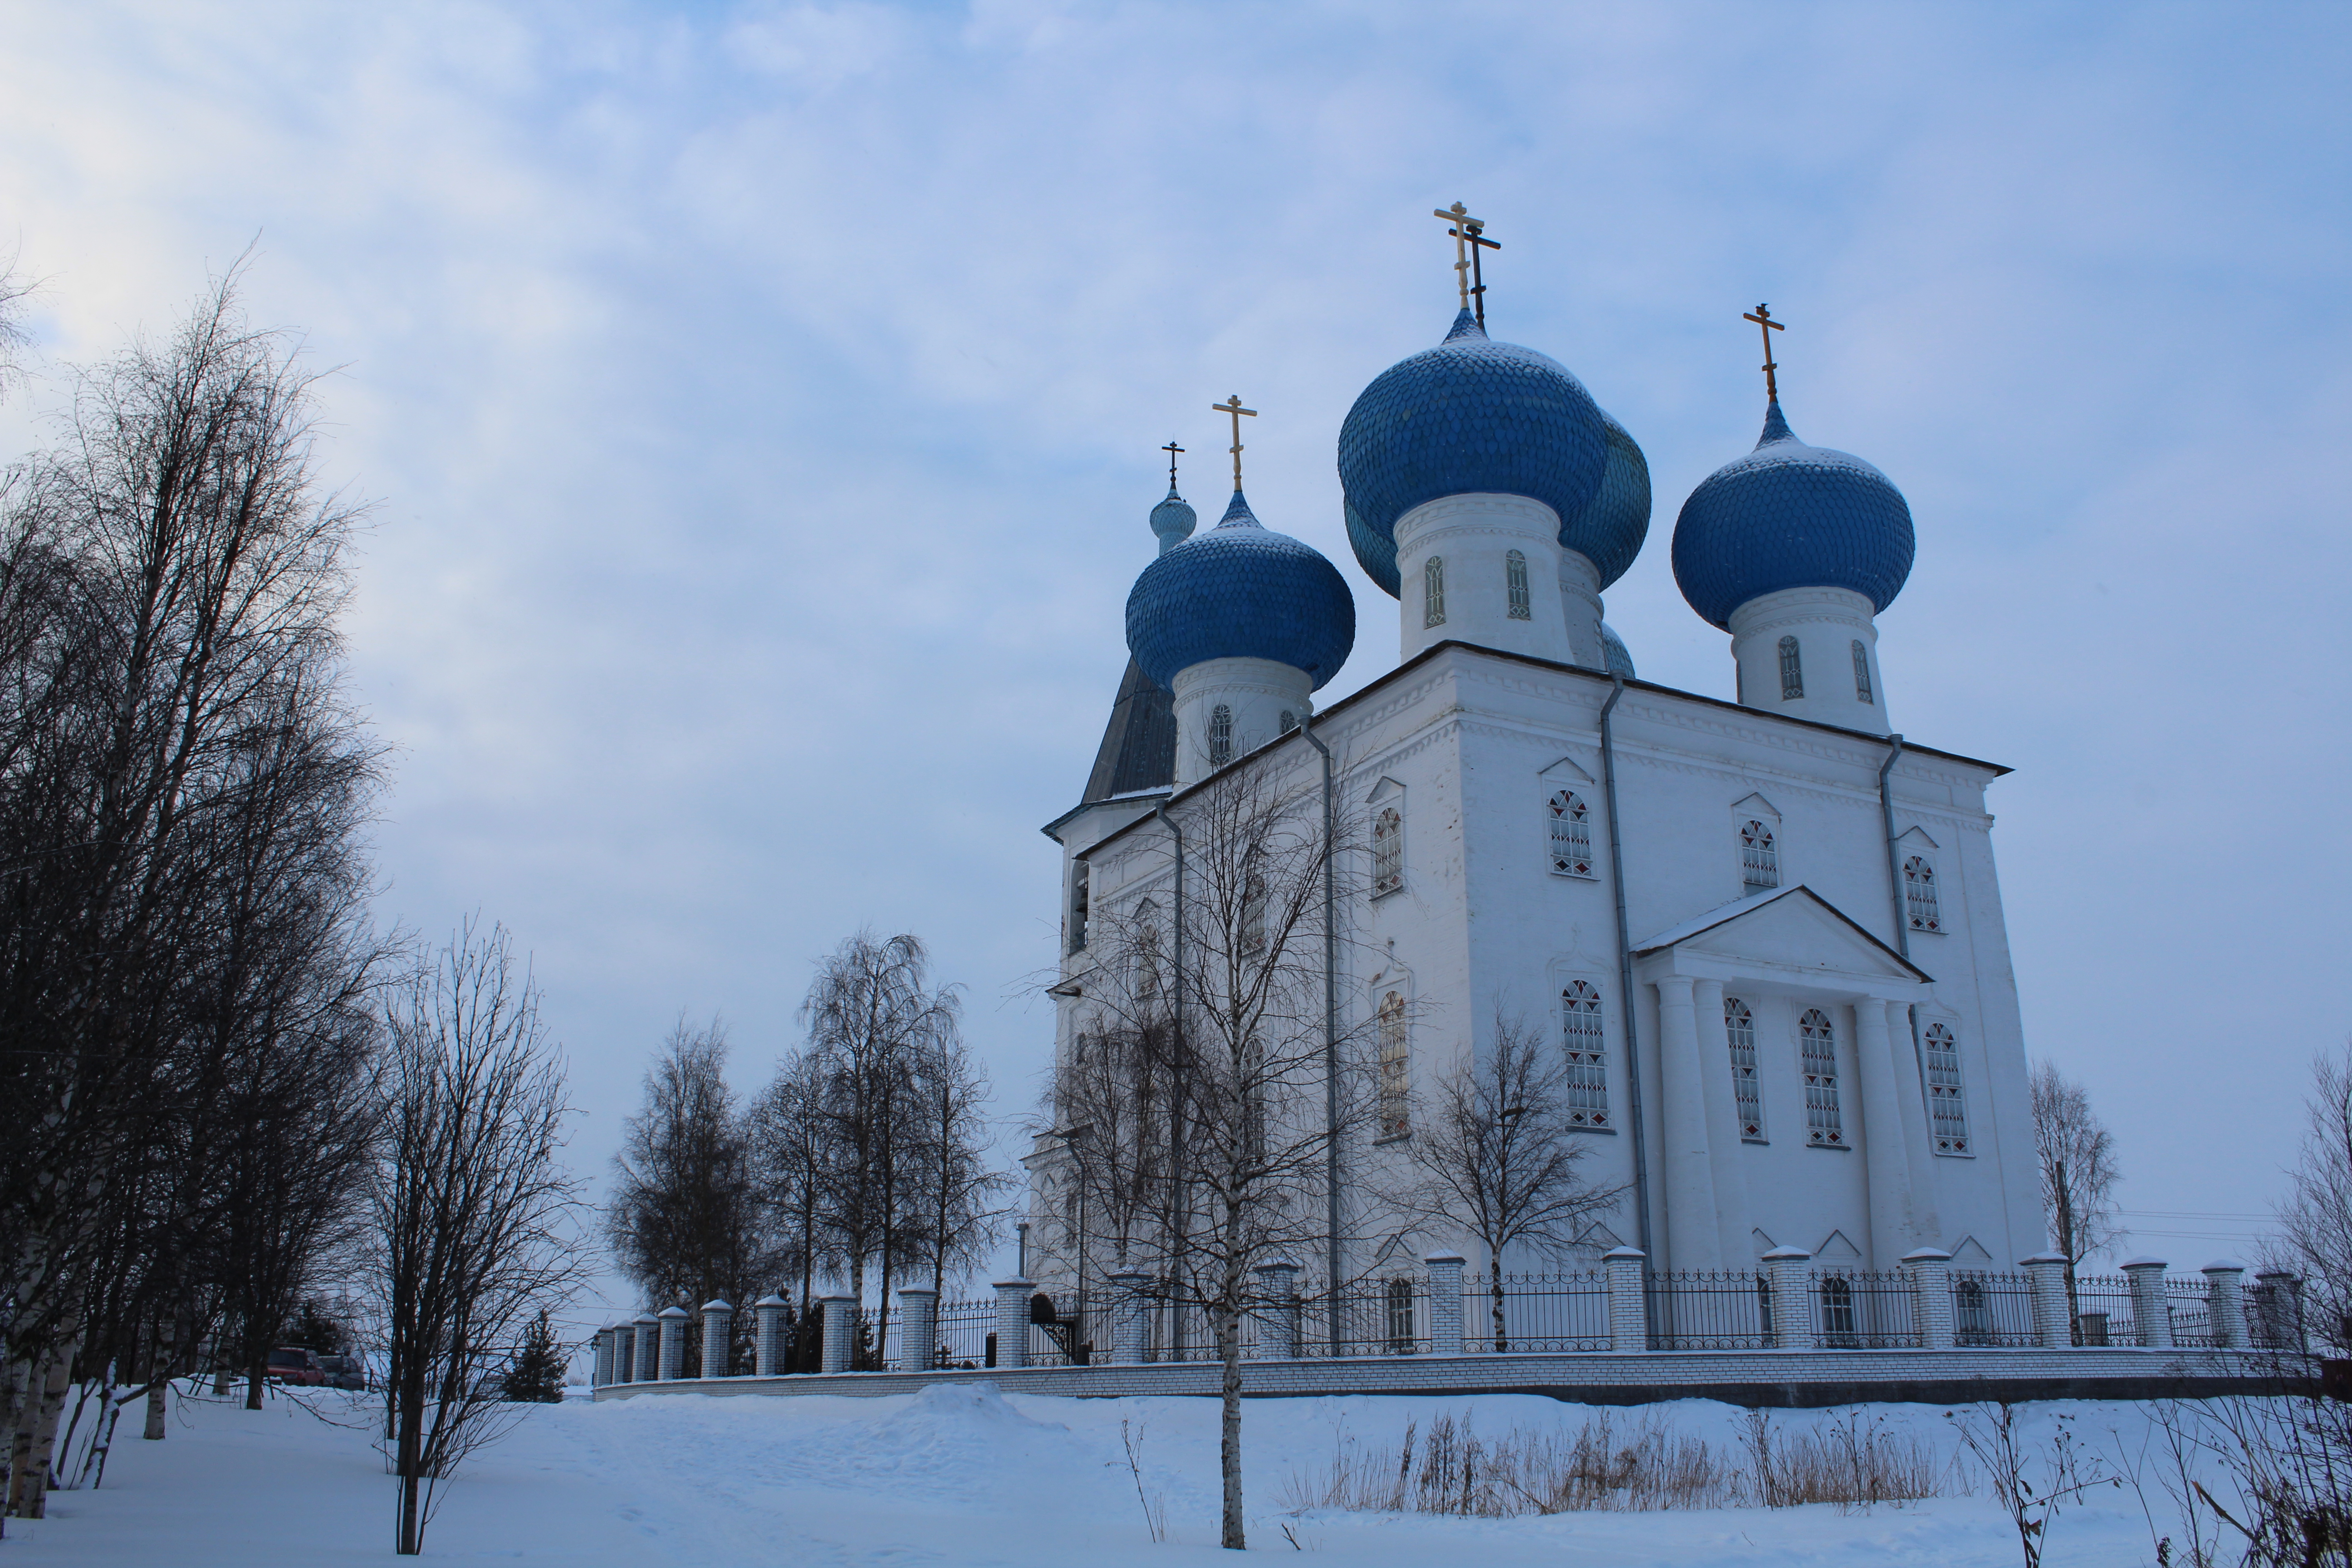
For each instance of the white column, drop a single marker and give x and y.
(1930, 1269)
(1792, 1285)
(645, 1348)
(2225, 1302)
(1277, 1288)
(673, 1342)
(1012, 1321)
(2151, 1313)
(1725, 1161)
(718, 1338)
(1629, 1312)
(1445, 1302)
(770, 1345)
(1924, 1227)
(603, 1374)
(918, 1338)
(2054, 1326)
(1131, 1293)
(1885, 1149)
(1693, 1240)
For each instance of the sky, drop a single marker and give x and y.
(760, 407)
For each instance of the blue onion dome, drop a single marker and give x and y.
(1620, 508)
(1240, 591)
(1473, 415)
(1172, 520)
(1612, 650)
(1790, 516)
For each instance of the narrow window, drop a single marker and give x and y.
(1515, 581)
(1759, 859)
(1919, 894)
(1289, 723)
(1433, 591)
(1387, 852)
(1580, 1040)
(1948, 1107)
(1396, 1082)
(1147, 950)
(1793, 671)
(1817, 1043)
(1861, 672)
(1078, 882)
(1220, 735)
(1974, 1313)
(1254, 915)
(1837, 1311)
(1739, 1028)
(1572, 835)
(1399, 1315)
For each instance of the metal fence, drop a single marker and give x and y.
(1370, 1317)
(1992, 1309)
(1541, 1312)
(1858, 1309)
(2103, 1311)
(1709, 1309)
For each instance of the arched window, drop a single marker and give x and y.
(1817, 1049)
(1793, 671)
(1861, 672)
(1972, 1314)
(1396, 1069)
(1147, 950)
(1837, 1312)
(1581, 1041)
(1433, 591)
(1220, 735)
(1289, 723)
(1387, 852)
(1400, 1316)
(1572, 835)
(1919, 894)
(1514, 583)
(1948, 1107)
(1759, 858)
(1254, 915)
(1739, 1028)
(1079, 878)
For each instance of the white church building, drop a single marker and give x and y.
(1765, 933)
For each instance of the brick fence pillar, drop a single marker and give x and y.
(647, 1333)
(672, 1320)
(1012, 1321)
(1133, 1316)
(2053, 1325)
(840, 1331)
(2279, 1298)
(603, 1373)
(1277, 1286)
(718, 1338)
(2151, 1313)
(1629, 1314)
(1930, 1269)
(1444, 1302)
(2225, 1302)
(1788, 1279)
(918, 1336)
(768, 1340)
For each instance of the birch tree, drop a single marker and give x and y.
(2076, 1156)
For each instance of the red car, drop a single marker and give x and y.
(290, 1364)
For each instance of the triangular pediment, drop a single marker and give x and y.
(1755, 804)
(1836, 1248)
(1971, 1253)
(1564, 769)
(1764, 1243)
(1916, 837)
(1789, 928)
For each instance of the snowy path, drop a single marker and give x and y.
(958, 1477)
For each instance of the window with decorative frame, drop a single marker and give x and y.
(1947, 1104)
(1582, 1042)
(1572, 835)
(1759, 857)
(1793, 670)
(1817, 1052)
(1081, 878)
(1396, 1069)
(1289, 723)
(1861, 672)
(1220, 735)
(1433, 591)
(1388, 851)
(1515, 585)
(1747, 1099)
(1919, 894)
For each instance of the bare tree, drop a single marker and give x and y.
(961, 1188)
(1494, 1152)
(2315, 1221)
(474, 1212)
(2077, 1159)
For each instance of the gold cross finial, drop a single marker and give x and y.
(1469, 235)
(1233, 405)
(1762, 317)
(1171, 449)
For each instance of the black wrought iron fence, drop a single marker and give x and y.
(1992, 1309)
(1539, 1313)
(2192, 1304)
(1381, 1316)
(1709, 1309)
(967, 1333)
(2103, 1311)
(1860, 1308)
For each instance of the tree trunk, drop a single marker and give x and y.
(254, 1380)
(28, 1479)
(157, 1396)
(1229, 1429)
(1502, 1345)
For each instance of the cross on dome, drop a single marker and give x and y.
(1469, 236)
(1762, 317)
(1171, 449)
(1232, 405)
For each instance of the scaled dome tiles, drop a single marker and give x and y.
(1790, 516)
(1240, 591)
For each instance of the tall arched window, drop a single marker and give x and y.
(1817, 1049)
(1572, 835)
(1739, 1028)
(1433, 591)
(1838, 1329)
(1919, 894)
(1080, 876)
(1793, 671)
(1759, 858)
(1581, 1040)
(1971, 1313)
(1147, 951)
(1254, 915)
(1514, 585)
(1220, 735)
(1861, 672)
(1387, 852)
(1396, 1069)
(1948, 1107)
(1289, 723)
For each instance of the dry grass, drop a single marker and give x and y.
(1620, 1464)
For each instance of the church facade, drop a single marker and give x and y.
(1765, 935)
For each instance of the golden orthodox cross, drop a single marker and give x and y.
(1469, 235)
(1233, 405)
(1762, 317)
(1171, 449)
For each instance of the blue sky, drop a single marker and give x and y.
(762, 402)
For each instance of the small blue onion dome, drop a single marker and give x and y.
(1613, 649)
(1173, 519)
(1473, 415)
(1790, 516)
(1240, 591)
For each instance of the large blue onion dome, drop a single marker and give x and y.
(1473, 415)
(1172, 520)
(1620, 508)
(1240, 591)
(1613, 649)
(1790, 516)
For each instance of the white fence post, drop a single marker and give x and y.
(718, 1338)
(2225, 1302)
(645, 1350)
(2053, 1324)
(1629, 1314)
(1134, 1308)
(1930, 1269)
(840, 1331)
(2151, 1313)
(1012, 1321)
(918, 1338)
(1789, 1281)
(1444, 1302)
(603, 1374)
(1278, 1284)
(768, 1342)
(672, 1320)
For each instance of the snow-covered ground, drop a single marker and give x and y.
(957, 1476)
